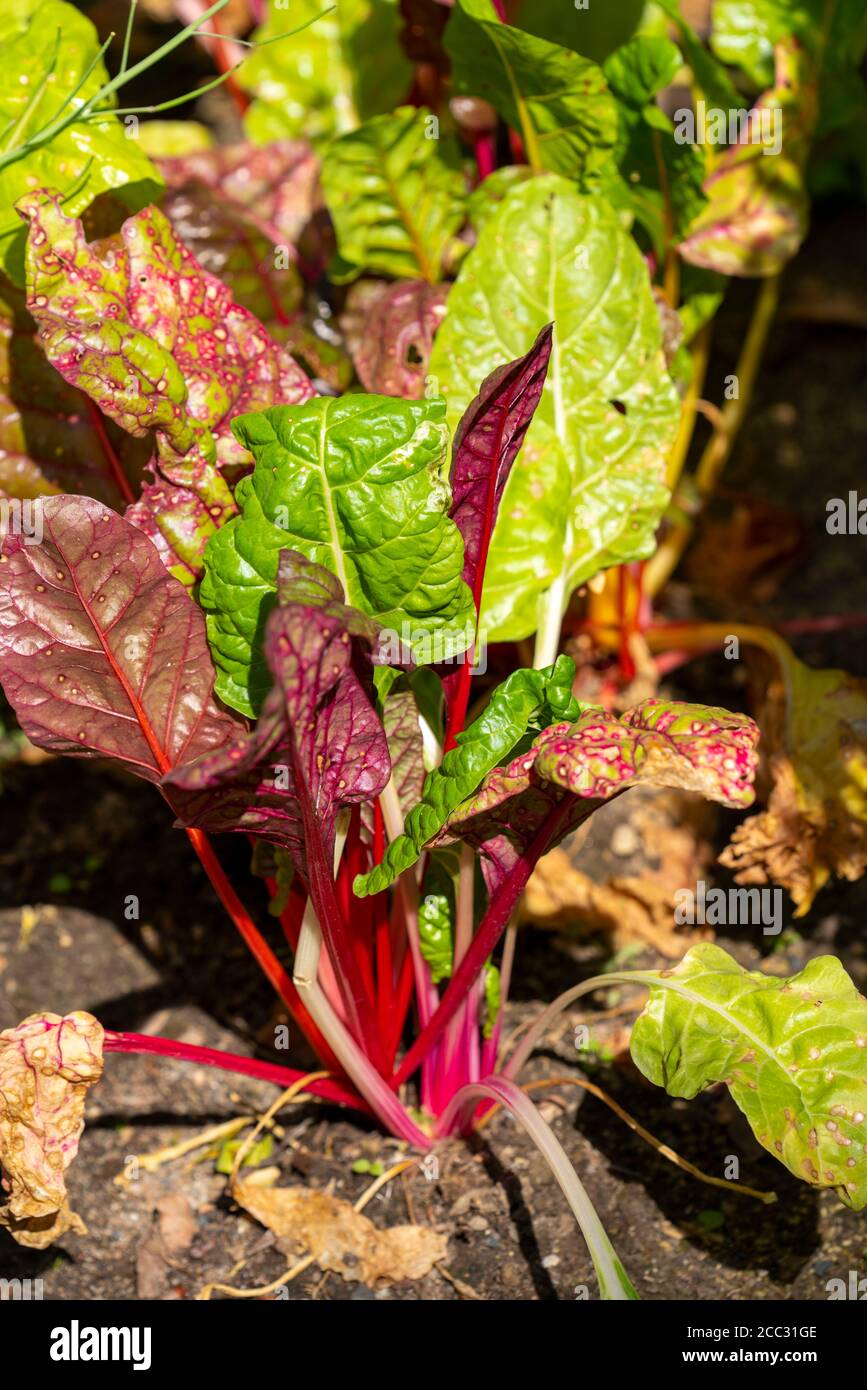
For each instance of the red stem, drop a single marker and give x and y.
(230, 1061)
(114, 463)
(265, 957)
(493, 924)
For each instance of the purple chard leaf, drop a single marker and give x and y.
(486, 445)
(275, 185)
(487, 442)
(102, 652)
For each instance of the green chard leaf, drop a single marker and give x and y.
(792, 1051)
(524, 704)
(436, 915)
(557, 101)
(47, 48)
(396, 195)
(354, 485)
(655, 172)
(491, 1000)
(594, 30)
(320, 81)
(587, 489)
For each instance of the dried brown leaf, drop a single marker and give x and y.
(46, 1065)
(340, 1238)
(815, 825)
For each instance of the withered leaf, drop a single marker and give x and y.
(46, 1065)
(339, 1237)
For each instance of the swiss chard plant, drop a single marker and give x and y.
(413, 369)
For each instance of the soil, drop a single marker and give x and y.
(77, 839)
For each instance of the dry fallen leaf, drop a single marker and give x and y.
(669, 827)
(815, 825)
(339, 1238)
(46, 1065)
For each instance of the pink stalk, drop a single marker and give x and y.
(493, 925)
(229, 1061)
(407, 895)
(456, 1051)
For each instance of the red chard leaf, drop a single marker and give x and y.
(487, 442)
(389, 331)
(102, 653)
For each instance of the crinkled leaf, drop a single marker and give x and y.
(159, 344)
(792, 1051)
(389, 331)
(102, 652)
(658, 743)
(52, 438)
(354, 485)
(343, 67)
(397, 196)
(317, 738)
(486, 444)
(587, 490)
(46, 1065)
(815, 824)
(757, 207)
(85, 160)
(524, 703)
(557, 101)
(156, 341)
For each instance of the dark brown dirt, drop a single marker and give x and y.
(180, 971)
